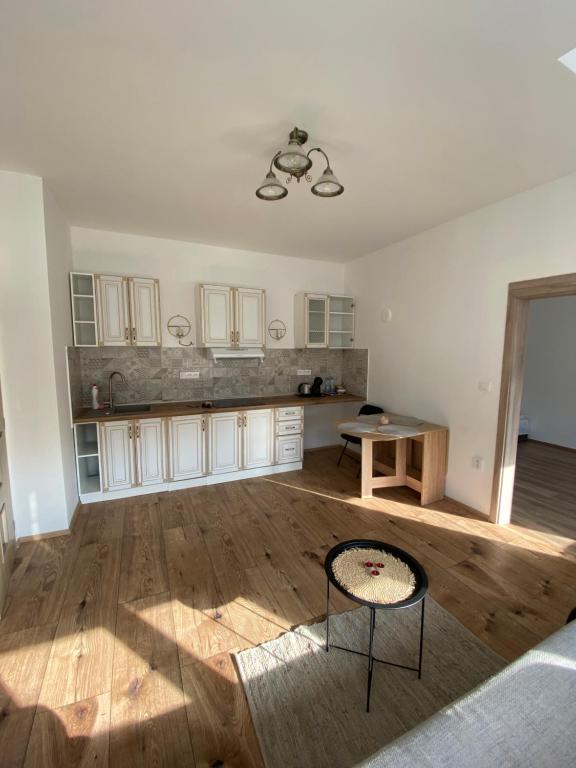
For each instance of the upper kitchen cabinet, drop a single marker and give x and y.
(231, 317)
(111, 310)
(324, 321)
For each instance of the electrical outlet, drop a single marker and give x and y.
(304, 372)
(189, 374)
(478, 463)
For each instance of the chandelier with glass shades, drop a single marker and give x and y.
(295, 161)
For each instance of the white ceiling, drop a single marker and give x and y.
(160, 117)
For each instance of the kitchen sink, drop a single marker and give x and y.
(131, 408)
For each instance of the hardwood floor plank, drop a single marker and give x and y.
(145, 635)
(23, 659)
(220, 723)
(75, 736)
(143, 569)
(149, 724)
(80, 664)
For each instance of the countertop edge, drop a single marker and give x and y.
(166, 410)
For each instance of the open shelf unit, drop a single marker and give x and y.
(83, 300)
(88, 458)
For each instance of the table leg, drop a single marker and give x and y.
(370, 656)
(434, 460)
(327, 614)
(367, 469)
(421, 639)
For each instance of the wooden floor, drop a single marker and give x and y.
(115, 648)
(545, 489)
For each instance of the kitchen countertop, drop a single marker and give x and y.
(192, 408)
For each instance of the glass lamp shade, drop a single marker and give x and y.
(292, 158)
(327, 185)
(271, 188)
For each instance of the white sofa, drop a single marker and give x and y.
(523, 717)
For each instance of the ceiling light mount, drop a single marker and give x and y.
(296, 162)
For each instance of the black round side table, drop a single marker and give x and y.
(417, 596)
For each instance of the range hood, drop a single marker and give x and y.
(238, 353)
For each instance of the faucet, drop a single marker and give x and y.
(110, 396)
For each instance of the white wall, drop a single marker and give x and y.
(27, 360)
(59, 260)
(447, 290)
(180, 266)
(549, 398)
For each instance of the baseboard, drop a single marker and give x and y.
(41, 536)
(552, 445)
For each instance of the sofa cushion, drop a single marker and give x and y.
(523, 716)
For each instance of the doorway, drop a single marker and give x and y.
(519, 297)
(7, 535)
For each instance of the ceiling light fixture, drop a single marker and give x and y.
(295, 161)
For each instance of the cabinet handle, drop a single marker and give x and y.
(245, 420)
(134, 335)
(232, 337)
(204, 425)
(130, 431)
(126, 334)
(137, 430)
(237, 337)
(239, 422)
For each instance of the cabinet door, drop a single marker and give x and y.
(113, 311)
(216, 308)
(187, 446)
(288, 449)
(316, 320)
(118, 455)
(144, 311)
(258, 450)
(150, 451)
(225, 432)
(249, 317)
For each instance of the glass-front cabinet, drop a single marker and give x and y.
(324, 321)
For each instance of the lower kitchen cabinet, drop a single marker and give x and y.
(149, 448)
(124, 458)
(186, 436)
(289, 448)
(225, 443)
(258, 438)
(118, 458)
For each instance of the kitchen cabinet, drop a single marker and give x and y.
(186, 435)
(289, 448)
(118, 458)
(115, 311)
(149, 447)
(258, 438)
(231, 317)
(324, 321)
(144, 295)
(225, 442)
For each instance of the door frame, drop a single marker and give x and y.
(520, 295)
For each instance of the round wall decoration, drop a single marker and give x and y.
(179, 326)
(277, 330)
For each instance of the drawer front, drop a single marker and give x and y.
(288, 449)
(289, 412)
(289, 428)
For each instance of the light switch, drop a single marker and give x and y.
(485, 386)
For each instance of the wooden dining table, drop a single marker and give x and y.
(406, 451)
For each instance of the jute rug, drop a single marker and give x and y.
(308, 706)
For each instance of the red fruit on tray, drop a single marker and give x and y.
(368, 564)
(379, 565)
(375, 573)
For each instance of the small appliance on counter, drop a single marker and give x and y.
(311, 390)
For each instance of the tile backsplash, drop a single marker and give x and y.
(153, 373)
